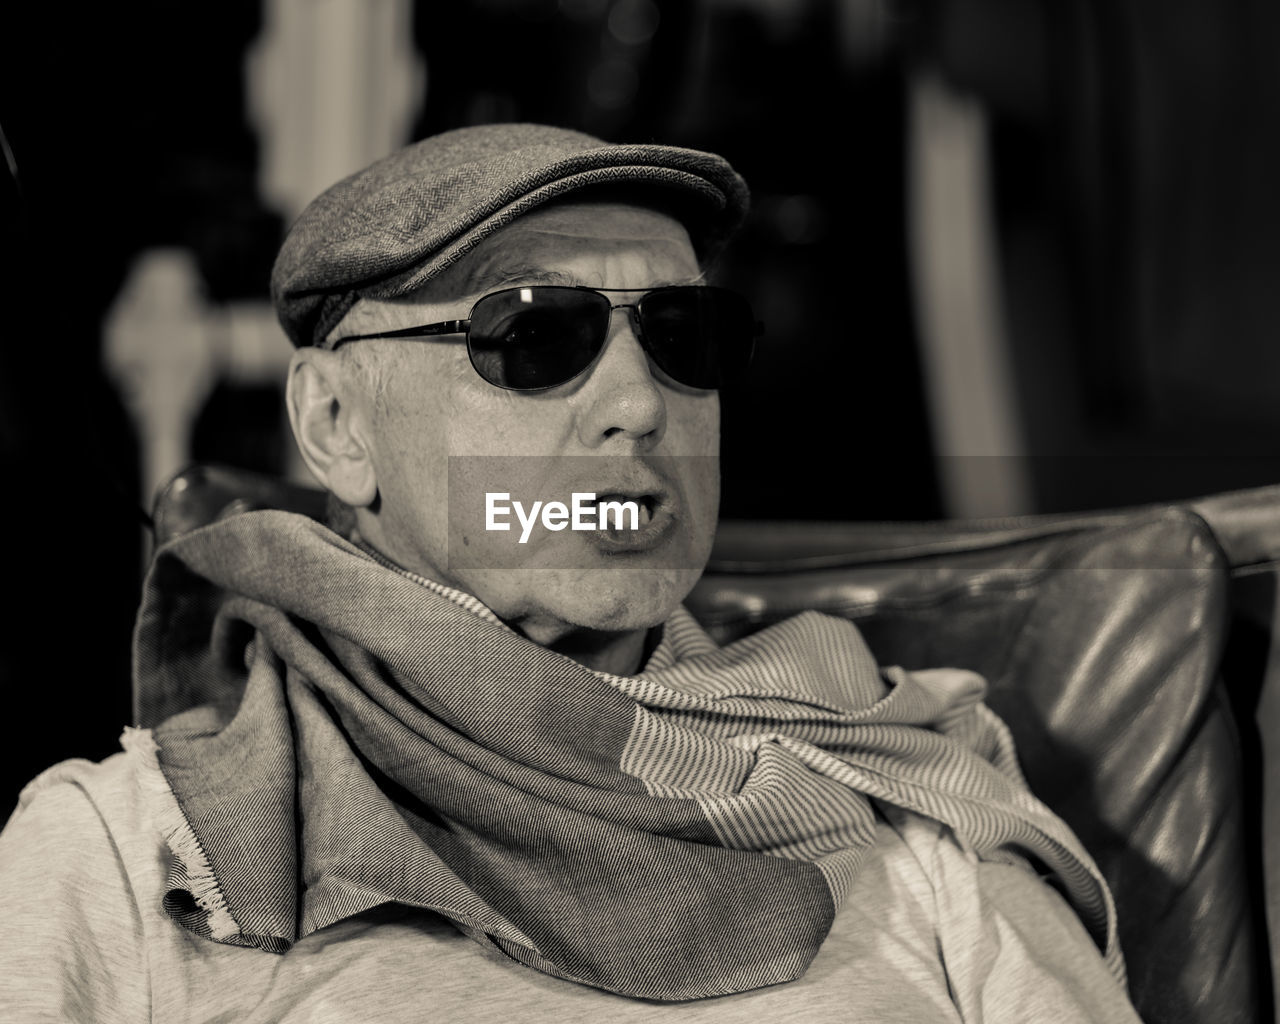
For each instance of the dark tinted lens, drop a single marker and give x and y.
(531, 338)
(700, 336)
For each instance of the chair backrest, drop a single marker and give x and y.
(1102, 638)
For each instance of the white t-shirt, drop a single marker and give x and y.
(927, 933)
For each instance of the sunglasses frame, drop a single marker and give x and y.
(438, 331)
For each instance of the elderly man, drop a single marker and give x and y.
(422, 766)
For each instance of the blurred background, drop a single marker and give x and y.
(1013, 256)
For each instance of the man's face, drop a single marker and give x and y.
(622, 413)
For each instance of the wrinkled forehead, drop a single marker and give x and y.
(539, 246)
(562, 243)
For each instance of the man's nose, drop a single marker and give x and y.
(623, 400)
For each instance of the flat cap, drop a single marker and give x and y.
(404, 220)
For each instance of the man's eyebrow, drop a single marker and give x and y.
(500, 277)
(535, 275)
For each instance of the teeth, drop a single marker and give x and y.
(646, 505)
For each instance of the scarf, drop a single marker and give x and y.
(329, 734)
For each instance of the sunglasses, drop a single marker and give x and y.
(541, 336)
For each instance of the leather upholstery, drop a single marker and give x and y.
(1101, 646)
(1101, 636)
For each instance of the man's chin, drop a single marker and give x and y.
(543, 602)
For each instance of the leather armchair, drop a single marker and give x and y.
(1126, 650)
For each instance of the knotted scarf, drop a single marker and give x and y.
(331, 734)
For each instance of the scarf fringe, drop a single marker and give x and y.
(178, 834)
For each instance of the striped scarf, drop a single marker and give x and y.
(353, 735)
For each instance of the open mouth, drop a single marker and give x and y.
(621, 509)
(632, 521)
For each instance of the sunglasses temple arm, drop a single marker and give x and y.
(422, 332)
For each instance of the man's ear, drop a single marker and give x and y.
(331, 421)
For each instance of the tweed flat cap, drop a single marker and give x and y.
(404, 220)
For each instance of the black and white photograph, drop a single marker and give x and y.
(641, 510)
